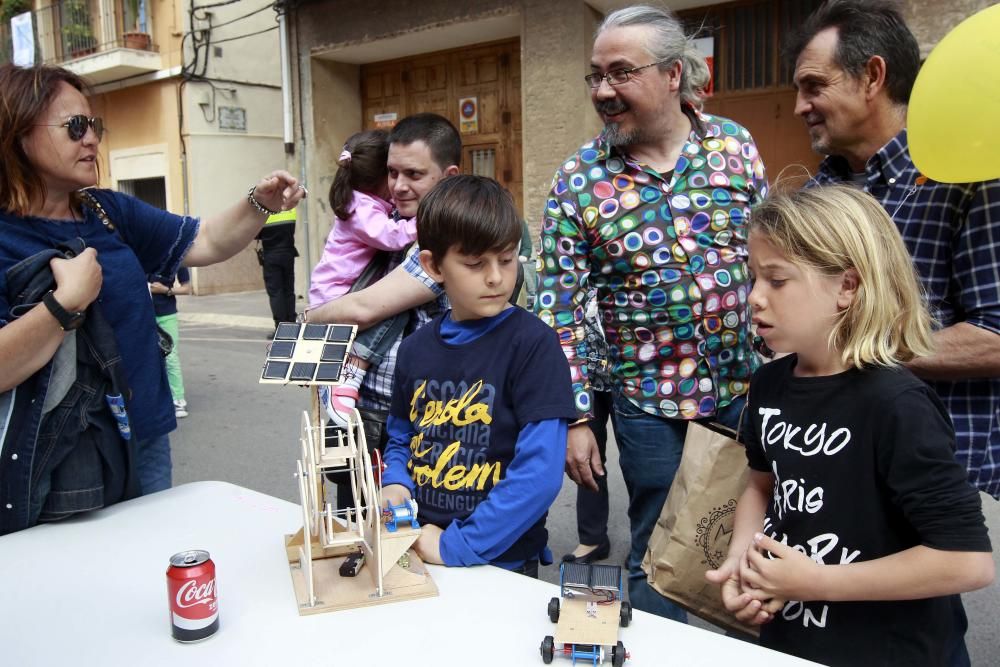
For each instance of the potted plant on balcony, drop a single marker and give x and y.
(136, 37)
(11, 8)
(8, 10)
(78, 36)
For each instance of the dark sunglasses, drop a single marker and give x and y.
(77, 126)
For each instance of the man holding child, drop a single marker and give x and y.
(423, 149)
(485, 470)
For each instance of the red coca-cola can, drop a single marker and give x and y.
(194, 601)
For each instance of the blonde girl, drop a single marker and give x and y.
(858, 529)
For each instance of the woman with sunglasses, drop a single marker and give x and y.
(48, 166)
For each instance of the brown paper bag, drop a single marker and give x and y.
(693, 532)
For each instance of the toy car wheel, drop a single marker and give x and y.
(626, 614)
(618, 655)
(554, 610)
(548, 648)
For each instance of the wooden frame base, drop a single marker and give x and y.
(334, 592)
(576, 626)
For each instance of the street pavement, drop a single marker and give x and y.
(246, 433)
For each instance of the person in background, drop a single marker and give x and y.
(49, 141)
(592, 507)
(276, 253)
(855, 65)
(165, 307)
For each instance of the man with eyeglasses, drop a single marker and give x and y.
(652, 214)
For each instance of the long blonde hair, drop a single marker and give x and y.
(835, 228)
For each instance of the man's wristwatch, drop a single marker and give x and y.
(170, 291)
(67, 319)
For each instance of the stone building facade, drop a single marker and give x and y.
(361, 66)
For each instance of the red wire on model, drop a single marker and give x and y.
(378, 467)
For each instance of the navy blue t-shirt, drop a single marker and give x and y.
(162, 303)
(467, 404)
(147, 241)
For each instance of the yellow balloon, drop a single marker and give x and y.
(955, 104)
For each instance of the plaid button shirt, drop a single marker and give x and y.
(953, 234)
(376, 388)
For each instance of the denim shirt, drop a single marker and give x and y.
(67, 453)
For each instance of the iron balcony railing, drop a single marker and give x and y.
(70, 29)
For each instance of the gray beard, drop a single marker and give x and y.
(618, 138)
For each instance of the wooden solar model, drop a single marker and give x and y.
(343, 557)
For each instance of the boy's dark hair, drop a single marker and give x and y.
(364, 170)
(865, 28)
(436, 131)
(473, 213)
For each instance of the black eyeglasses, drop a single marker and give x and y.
(77, 126)
(616, 77)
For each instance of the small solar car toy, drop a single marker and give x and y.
(588, 615)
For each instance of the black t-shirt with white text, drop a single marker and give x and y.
(864, 467)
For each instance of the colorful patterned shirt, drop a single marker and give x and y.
(953, 234)
(668, 260)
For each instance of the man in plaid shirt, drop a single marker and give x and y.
(855, 63)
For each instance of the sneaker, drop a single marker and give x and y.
(180, 409)
(339, 402)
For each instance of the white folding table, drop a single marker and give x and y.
(92, 591)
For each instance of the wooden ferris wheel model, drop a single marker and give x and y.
(349, 556)
(357, 555)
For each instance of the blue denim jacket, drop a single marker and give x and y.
(63, 449)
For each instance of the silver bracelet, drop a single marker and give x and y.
(257, 205)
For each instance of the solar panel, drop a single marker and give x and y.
(308, 353)
(591, 577)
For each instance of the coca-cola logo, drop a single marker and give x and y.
(191, 594)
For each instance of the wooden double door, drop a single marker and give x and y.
(478, 88)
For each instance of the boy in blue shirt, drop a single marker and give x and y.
(477, 428)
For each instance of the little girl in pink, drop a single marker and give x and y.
(364, 224)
